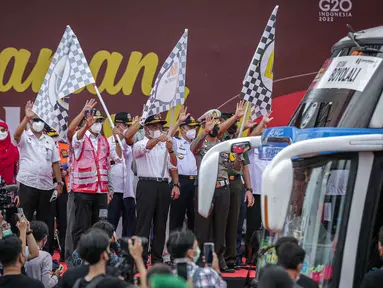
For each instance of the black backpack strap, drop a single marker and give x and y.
(93, 284)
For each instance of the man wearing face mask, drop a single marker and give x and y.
(39, 159)
(122, 176)
(187, 170)
(154, 159)
(216, 222)
(91, 165)
(183, 247)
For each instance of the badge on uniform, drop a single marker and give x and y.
(64, 154)
(233, 157)
(181, 156)
(182, 147)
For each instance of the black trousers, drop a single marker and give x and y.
(87, 208)
(153, 200)
(236, 188)
(213, 228)
(31, 200)
(253, 221)
(125, 207)
(184, 204)
(61, 219)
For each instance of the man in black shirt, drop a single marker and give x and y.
(285, 262)
(375, 279)
(12, 259)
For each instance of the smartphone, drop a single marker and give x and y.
(103, 214)
(182, 270)
(7, 233)
(20, 211)
(208, 252)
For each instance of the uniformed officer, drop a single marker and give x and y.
(216, 222)
(61, 202)
(154, 157)
(187, 170)
(238, 173)
(123, 201)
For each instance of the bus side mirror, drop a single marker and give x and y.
(240, 147)
(277, 184)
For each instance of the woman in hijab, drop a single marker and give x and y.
(9, 157)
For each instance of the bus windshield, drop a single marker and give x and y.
(317, 207)
(329, 106)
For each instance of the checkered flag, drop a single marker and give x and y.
(68, 72)
(169, 88)
(258, 82)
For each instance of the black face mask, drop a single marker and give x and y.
(214, 133)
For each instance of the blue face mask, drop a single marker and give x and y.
(196, 257)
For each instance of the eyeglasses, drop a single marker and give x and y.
(100, 121)
(37, 120)
(2, 129)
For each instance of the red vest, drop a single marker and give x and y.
(90, 170)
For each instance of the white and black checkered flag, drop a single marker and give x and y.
(68, 72)
(258, 82)
(169, 88)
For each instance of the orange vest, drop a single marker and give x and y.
(64, 159)
(90, 170)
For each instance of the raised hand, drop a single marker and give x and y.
(183, 114)
(117, 132)
(28, 110)
(90, 120)
(89, 105)
(163, 138)
(240, 111)
(249, 124)
(136, 120)
(209, 124)
(266, 118)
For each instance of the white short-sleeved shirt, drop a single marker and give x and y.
(36, 158)
(121, 171)
(150, 163)
(186, 161)
(256, 169)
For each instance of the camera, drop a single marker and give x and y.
(7, 195)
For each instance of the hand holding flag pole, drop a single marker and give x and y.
(107, 114)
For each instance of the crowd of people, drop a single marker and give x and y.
(73, 194)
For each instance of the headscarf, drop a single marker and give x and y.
(9, 155)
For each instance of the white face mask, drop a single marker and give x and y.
(38, 126)
(156, 133)
(191, 134)
(3, 135)
(96, 128)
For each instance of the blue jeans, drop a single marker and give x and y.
(241, 219)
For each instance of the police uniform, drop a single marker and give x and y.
(187, 174)
(61, 202)
(213, 228)
(121, 175)
(153, 190)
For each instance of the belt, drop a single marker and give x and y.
(234, 177)
(222, 183)
(191, 177)
(159, 179)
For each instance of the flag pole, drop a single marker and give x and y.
(107, 114)
(243, 120)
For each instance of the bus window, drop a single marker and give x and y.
(315, 212)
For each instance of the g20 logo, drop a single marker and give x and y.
(335, 5)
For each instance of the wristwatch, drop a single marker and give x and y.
(177, 185)
(29, 232)
(249, 189)
(60, 183)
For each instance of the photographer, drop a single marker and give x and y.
(12, 259)
(183, 245)
(109, 230)
(40, 268)
(94, 249)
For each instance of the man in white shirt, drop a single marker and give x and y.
(187, 173)
(123, 201)
(39, 161)
(91, 165)
(154, 157)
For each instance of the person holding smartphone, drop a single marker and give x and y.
(184, 248)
